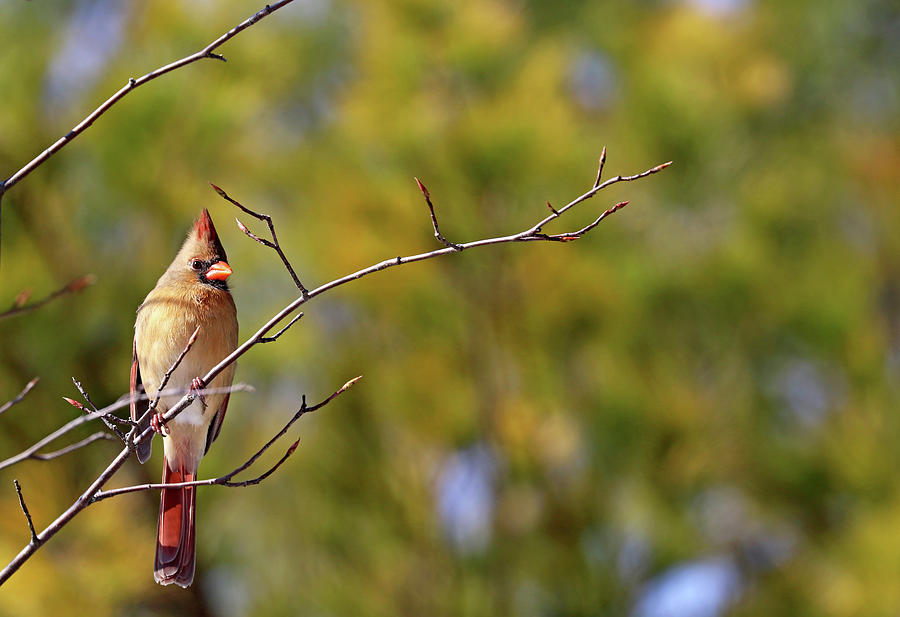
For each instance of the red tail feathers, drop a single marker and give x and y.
(175, 532)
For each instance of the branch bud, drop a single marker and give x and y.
(74, 403)
(292, 448)
(349, 384)
(81, 282)
(22, 298)
(423, 189)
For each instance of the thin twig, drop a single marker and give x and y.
(105, 418)
(49, 456)
(134, 83)
(274, 244)
(34, 537)
(162, 384)
(434, 222)
(5, 406)
(20, 307)
(600, 167)
(574, 235)
(272, 339)
(594, 190)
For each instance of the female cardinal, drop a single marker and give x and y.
(192, 292)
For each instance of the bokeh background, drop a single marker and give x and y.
(691, 412)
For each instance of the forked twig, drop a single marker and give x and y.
(434, 223)
(272, 244)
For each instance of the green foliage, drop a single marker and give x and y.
(712, 372)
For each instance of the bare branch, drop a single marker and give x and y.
(274, 244)
(434, 223)
(131, 85)
(594, 190)
(31, 453)
(49, 456)
(574, 235)
(95, 489)
(34, 538)
(529, 235)
(20, 307)
(5, 406)
(162, 384)
(105, 418)
(600, 167)
(226, 480)
(272, 339)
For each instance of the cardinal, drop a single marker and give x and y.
(191, 294)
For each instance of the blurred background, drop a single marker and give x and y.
(691, 412)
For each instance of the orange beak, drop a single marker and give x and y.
(219, 271)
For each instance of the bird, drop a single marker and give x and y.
(192, 294)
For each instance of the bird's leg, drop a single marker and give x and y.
(196, 386)
(158, 425)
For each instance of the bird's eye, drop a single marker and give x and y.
(197, 265)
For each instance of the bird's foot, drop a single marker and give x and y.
(197, 386)
(158, 425)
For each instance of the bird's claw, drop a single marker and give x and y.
(197, 386)
(158, 425)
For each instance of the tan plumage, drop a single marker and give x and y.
(191, 293)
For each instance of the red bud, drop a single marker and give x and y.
(423, 189)
(73, 403)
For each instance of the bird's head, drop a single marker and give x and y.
(202, 255)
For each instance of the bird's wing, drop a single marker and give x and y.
(139, 407)
(216, 425)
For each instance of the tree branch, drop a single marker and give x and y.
(49, 456)
(274, 244)
(5, 406)
(34, 538)
(131, 85)
(32, 452)
(20, 307)
(434, 223)
(91, 493)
